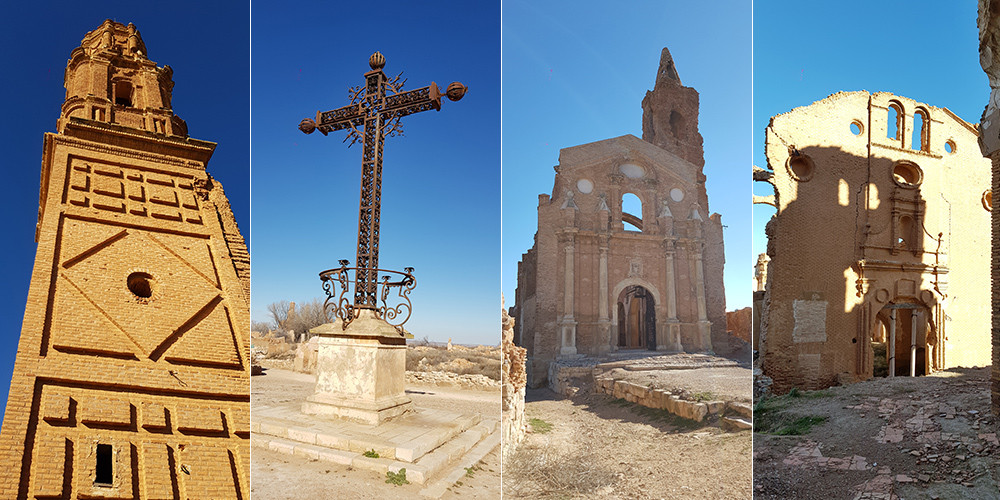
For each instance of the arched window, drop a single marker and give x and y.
(921, 131)
(894, 121)
(632, 212)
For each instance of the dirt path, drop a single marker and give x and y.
(598, 447)
(278, 476)
(926, 437)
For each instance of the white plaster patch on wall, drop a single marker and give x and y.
(810, 321)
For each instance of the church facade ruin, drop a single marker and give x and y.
(132, 371)
(605, 277)
(877, 253)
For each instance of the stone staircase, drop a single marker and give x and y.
(425, 443)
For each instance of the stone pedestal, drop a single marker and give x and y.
(360, 371)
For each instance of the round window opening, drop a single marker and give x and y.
(140, 284)
(949, 146)
(988, 200)
(856, 127)
(907, 175)
(801, 167)
(585, 186)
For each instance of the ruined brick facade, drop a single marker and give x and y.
(132, 372)
(599, 279)
(878, 260)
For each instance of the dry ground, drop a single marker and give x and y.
(599, 447)
(903, 438)
(278, 476)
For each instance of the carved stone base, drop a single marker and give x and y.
(360, 371)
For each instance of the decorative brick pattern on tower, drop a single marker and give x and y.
(878, 250)
(600, 279)
(132, 371)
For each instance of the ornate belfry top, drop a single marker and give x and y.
(372, 115)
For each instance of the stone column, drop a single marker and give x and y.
(568, 322)
(913, 342)
(892, 342)
(673, 325)
(604, 318)
(704, 326)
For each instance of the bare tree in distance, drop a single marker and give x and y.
(308, 315)
(279, 313)
(300, 320)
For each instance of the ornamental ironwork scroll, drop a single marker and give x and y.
(370, 117)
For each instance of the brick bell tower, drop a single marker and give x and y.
(132, 374)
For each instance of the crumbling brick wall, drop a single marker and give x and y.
(513, 379)
(738, 323)
(989, 51)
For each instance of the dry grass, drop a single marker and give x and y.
(482, 360)
(534, 472)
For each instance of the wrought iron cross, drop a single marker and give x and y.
(378, 115)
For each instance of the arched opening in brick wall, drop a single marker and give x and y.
(894, 121)
(636, 319)
(632, 212)
(920, 139)
(903, 340)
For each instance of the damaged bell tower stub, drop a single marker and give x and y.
(362, 354)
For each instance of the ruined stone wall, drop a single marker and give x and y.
(867, 222)
(133, 350)
(513, 380)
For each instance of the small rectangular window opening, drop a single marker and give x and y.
(123, 94)
(104, 472)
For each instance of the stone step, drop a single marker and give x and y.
(406, 439)
(458, 469)
(735, 424)
(414, 473)
(429, 465)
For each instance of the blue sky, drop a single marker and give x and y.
(207, 45)
(440, 183)
(924, 50)
(576, 72)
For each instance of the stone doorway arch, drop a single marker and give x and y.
(636, 318)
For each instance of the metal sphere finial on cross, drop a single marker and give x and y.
(376, 61)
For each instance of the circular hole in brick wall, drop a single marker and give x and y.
(907, 174)
(801, 167)
(949, 146)
(988, 200)
(140, 284)
(856, 127)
